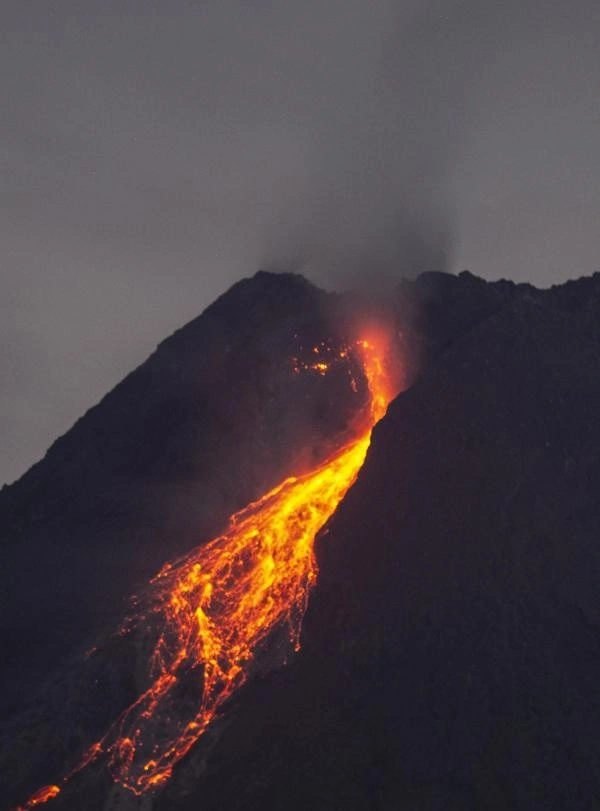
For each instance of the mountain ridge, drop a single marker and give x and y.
(489, 455)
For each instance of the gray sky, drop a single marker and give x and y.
(152, 153)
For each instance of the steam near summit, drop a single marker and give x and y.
(155, 156)
(299, 513)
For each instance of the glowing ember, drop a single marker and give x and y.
(41, 796)
(220, 604)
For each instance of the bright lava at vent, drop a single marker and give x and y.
(221, 604)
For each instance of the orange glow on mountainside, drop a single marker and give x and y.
(42, 796)
(221, 604)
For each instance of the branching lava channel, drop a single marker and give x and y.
(220, 604)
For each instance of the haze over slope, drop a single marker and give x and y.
(154, 153)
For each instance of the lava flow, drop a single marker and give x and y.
(218, 606)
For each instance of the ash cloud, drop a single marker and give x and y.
(372, 204)
(156, 153)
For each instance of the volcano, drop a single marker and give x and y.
(319, 552)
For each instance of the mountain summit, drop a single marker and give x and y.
(450, 652)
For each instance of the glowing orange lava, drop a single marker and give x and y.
(42, 795)
(220, 604)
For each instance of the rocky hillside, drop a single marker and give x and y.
(451, 655)
(451, 650)
(210, 421)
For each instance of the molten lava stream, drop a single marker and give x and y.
(219, 603)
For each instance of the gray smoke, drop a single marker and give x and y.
(154, 153)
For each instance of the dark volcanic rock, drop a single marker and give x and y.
(451, 650)
(451, 655)
(210, 421)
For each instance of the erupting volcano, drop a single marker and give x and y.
(217, 608)
(450, 649)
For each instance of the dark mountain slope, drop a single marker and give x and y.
(210, 421)
(451, 655)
